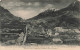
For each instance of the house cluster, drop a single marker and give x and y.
(60, 29)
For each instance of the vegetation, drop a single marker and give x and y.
(49, 19)
(41, 27)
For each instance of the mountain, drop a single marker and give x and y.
(66, 17)
(6, 16)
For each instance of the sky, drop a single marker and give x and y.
(30, 8)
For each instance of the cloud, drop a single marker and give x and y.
(48, 1)
(25, 14)
(78, 0)
(29, 12)
(29, 4)
(36, 4)
(32, 4)
(30, 8)
(12, 4)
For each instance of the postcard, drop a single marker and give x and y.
(39, 24)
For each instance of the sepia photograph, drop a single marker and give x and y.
(39, 24)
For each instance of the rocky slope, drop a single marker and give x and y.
(67, 17)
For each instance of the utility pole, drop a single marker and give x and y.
(0, 14)
(25, 36)
(0, 23)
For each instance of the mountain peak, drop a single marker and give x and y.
(5, 15)
(1, 8)
(75, 6)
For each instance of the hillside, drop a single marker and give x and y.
(6, 16)
(67, 17)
